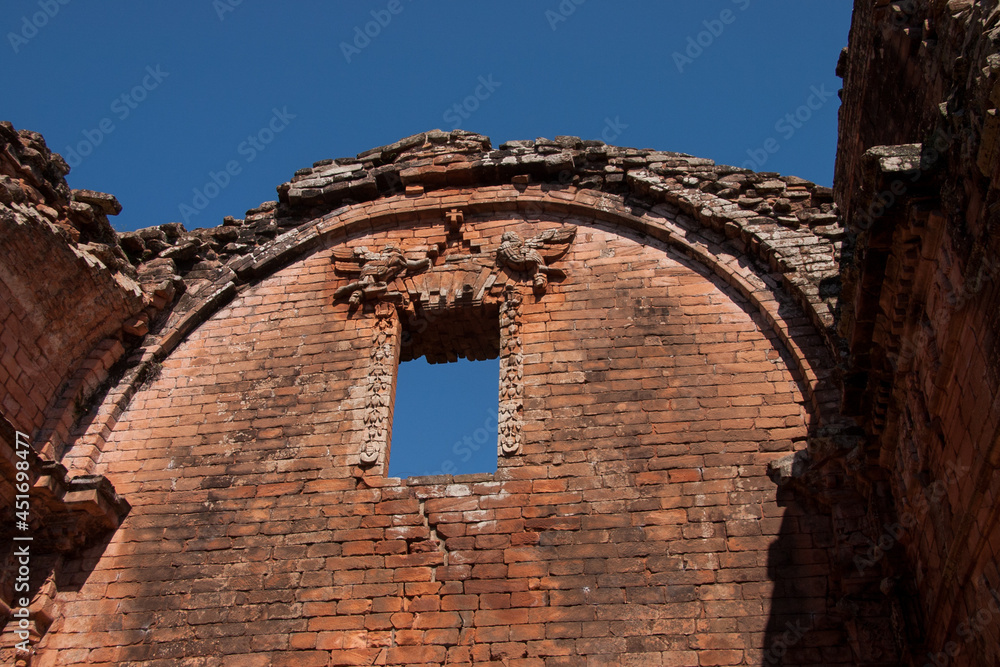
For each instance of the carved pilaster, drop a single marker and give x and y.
(381, 384)
(511, 412)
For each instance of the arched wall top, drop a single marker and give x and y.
(733, 254)
(785, 223)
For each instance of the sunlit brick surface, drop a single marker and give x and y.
(637, 526)
(756, 423)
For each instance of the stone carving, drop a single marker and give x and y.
(454, 241)
(378, 406)
(511, 409)
(455, 218)
(376, 269)
(531, 256)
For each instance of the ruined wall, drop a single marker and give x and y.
(917, 171)
(64, 283)
(665, 387)
(637, 519)
(67, 293)
(676, 482)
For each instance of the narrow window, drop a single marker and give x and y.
(447, 393)
(445, 418)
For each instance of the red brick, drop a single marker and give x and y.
(656, 388)
(352, 657)
(409, 655)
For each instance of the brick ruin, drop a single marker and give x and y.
(743, 419)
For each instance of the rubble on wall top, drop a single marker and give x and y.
(424, 161)
(459, 158)
(773, 217)
(107, 204)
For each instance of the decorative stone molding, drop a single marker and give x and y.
(532, 255)
(717, 215)
(381, 383)
(454, 243)
(74, 513)
(511, 410)
(455, 218)
(68, 513)
(377, 270)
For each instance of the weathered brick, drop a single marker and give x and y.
(637, 524)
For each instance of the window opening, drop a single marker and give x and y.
(445, 418)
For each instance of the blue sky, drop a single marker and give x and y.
(148, 100)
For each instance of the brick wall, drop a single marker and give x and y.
(64, 284)
(637, 521)
(678, 484)
(661, 405)
(66, 290)
(917, 182)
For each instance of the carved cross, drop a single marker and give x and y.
(455, 219)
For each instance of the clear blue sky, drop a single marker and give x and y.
(163, 93)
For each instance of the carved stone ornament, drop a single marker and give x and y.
(378, 404)
(511, 409)
(532, 256)
(375, 271)
(455, 217)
